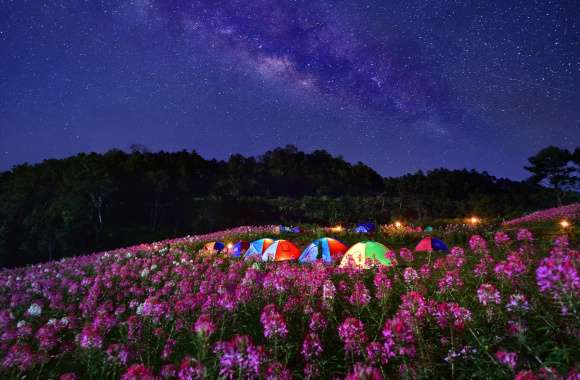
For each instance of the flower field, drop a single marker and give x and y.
(501, 306)
(569, 212)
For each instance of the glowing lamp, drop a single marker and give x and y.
(474, 220)
(565, 223)
(398, 224)
(230, 245)
(336, 229)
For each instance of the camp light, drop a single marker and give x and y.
(337, 228)
(398, 224)
(564, 223)
(474, 220)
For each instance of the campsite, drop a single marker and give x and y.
(280, 302)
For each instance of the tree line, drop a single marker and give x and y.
(92, 202)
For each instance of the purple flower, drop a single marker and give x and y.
(239, 358)
(311, 347)
(204, 325)
(488, 294)
(352, 334)
(360, 295)
(478, 243)
(273, 322)
(507, 358)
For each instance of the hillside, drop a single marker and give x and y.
(91, 202)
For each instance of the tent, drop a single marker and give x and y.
(325, 249)
(292, 230)
(362, 255)
(257, 248)
(214, 246)
(281, 250)
(430, 244)
(365, 228)
(239, 248)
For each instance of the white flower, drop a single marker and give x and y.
(21, 324)
(64, 321)
(144, 273)
(34, 310)
(140, 309)
(153, 267)
(52, 322)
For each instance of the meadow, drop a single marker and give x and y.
(502, 303)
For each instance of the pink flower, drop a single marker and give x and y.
(360, 295)
(517, 303)
(501, 238)
(68, 376)
(317, 322)
(204, 325)
(526, 375)
(20, 356)
(382, 284)
(191, 369)
(90, 338)
(277, 371)
(406, 254)
(478, 243)
(138, 372)
(361, 371)
(311, 347)
(507, 358)
(273, 322)
(352, 334)
(488, 294)
(239, 358)
(524, 235)
(450, 281)
(410, 275)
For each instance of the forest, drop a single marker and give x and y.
(93, 202)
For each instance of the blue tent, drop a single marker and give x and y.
(257, 248)
(325, 249)
(365, 228)
(293, 230)
(240, 248)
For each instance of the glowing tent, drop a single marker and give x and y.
(239, 248)
(365, 228)
(325, 249)
(364, 254)
(430, 244)
(281, 250)
(214, 246)
(257, 248)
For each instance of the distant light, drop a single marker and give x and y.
(230, 245)
(398, 224)
(565, 223)
(474, 220)
(336, 229)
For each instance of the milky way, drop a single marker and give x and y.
(399, 85)
(308, 46)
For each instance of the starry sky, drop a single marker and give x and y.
(400, 85)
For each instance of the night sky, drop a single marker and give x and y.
(398, 85)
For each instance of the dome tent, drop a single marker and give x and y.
(430, 244)
(257, 248)
(214, 246)
(325, 249)
(239, 248)
(362, 255)
(281, 250)
(365, 228)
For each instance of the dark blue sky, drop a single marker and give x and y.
(399, 85)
